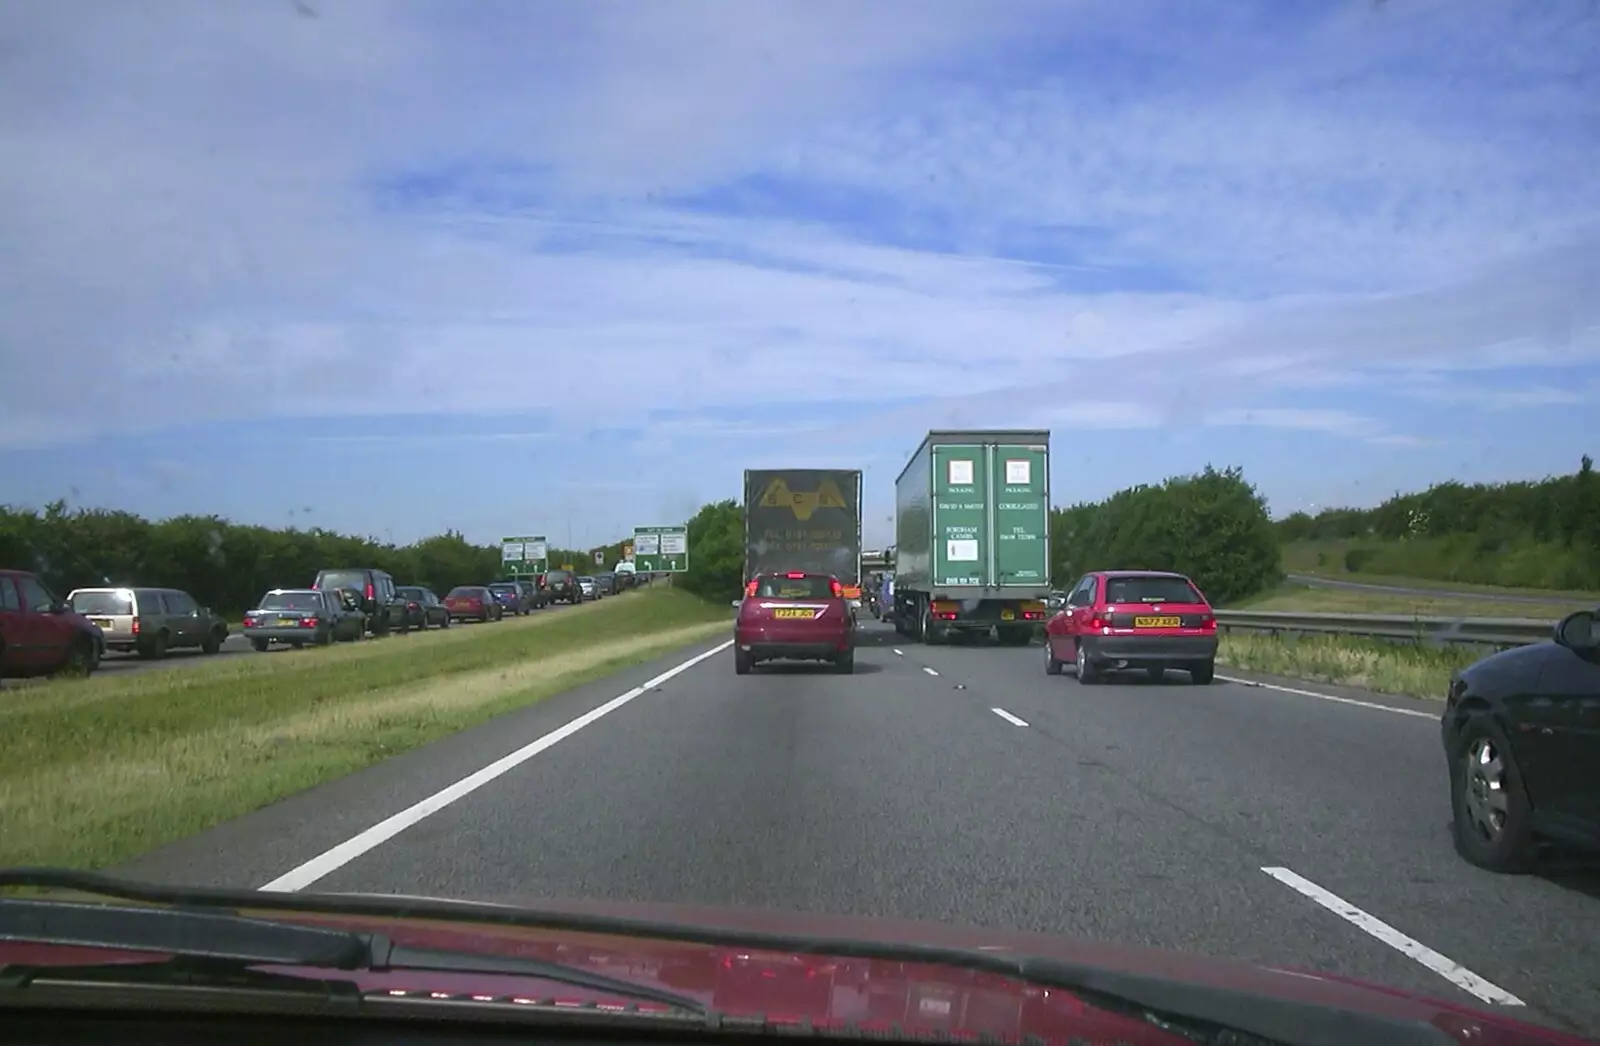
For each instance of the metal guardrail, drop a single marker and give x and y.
(1485, 631)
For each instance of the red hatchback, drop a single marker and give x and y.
(1117, 619)
(794, 616)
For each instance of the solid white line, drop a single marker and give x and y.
(1331, 697)
(1449, 969)
(899, 653)
(928, 670)
(380, 833)
(1008, 717)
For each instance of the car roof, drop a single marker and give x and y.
(296, 592)
(1143, 573)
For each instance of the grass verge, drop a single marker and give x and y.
(1307, 599)
(1446, 565)
(97, 771)
(1410, 669)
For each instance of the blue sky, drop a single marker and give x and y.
(394, 267)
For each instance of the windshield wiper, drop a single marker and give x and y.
(225, 944)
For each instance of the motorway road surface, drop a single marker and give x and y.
(964, 785)
(1434, 593)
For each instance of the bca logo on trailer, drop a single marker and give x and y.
(802, 502)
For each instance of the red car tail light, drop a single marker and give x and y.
(135, 626)
(750, 589)
(796, 575)
(249, 622)
(413, 606)
(371, 592)
(834, 586)
(1096, 623)
(308, 622)
(1209, 623)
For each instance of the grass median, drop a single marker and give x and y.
(1410, 669)
(96, 771)
(1302, 599)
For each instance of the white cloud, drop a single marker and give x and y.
(192, 225)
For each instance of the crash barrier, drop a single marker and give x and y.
(1484, 631)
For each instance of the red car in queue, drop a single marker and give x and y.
(1120, 619)
(473, 603)
(794, 616)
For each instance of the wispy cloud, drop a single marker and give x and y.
(1101, 215)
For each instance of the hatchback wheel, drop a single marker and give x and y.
(1052, 664)
(1203, 673)
(1086, 670)
(845, 663)
(1490, 820)
(742, 662)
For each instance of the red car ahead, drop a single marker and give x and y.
(1117, 619)
(794, 616)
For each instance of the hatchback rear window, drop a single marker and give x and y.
(102, 603)
(465, 592)
(408, 593)
(505, 589)
(557, 576)
(1151, 590)
(810, 586)
(291, 601)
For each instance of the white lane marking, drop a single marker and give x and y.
(899, 653)
(928, 670)
(1008, 717)
(1331, 697)
(326, 863)
(1449, 969)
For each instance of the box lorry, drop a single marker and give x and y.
(972, 536)
(804, 519)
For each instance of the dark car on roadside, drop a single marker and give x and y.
(1114, 620)
(423, 609)
(532, 594)
(42, 635)
(607, 584)
(299, 617)
(794, 616)
(385, 610)
(511, 597)
(473, 603)
(562, 586)
(1521, 736)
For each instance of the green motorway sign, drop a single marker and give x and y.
(524, 555)
(661, 549)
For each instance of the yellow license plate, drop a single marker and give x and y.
(1157, 622)
(288, 621)
(1008, 615)
(791, 612)
(103, 622)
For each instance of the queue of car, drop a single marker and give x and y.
(42, 634)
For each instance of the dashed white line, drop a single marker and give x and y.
(899, 653)
(1330, 697)
(331, 861)
(1008, 717)
(1445, 967)
(928, 670)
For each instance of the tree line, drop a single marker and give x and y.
(1212, 526)
(226, 565)
(1528, 534)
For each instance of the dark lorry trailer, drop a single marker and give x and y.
(803, 519)
(972, 536)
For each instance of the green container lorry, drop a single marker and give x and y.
(972, 536)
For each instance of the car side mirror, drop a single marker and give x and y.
(1578, 632)
(59, 607)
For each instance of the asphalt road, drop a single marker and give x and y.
(1434, 593)
(964, 785)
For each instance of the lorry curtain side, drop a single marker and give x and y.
(803, 519)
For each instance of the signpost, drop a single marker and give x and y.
(663, 550)
(524, 556)
(600, 558)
